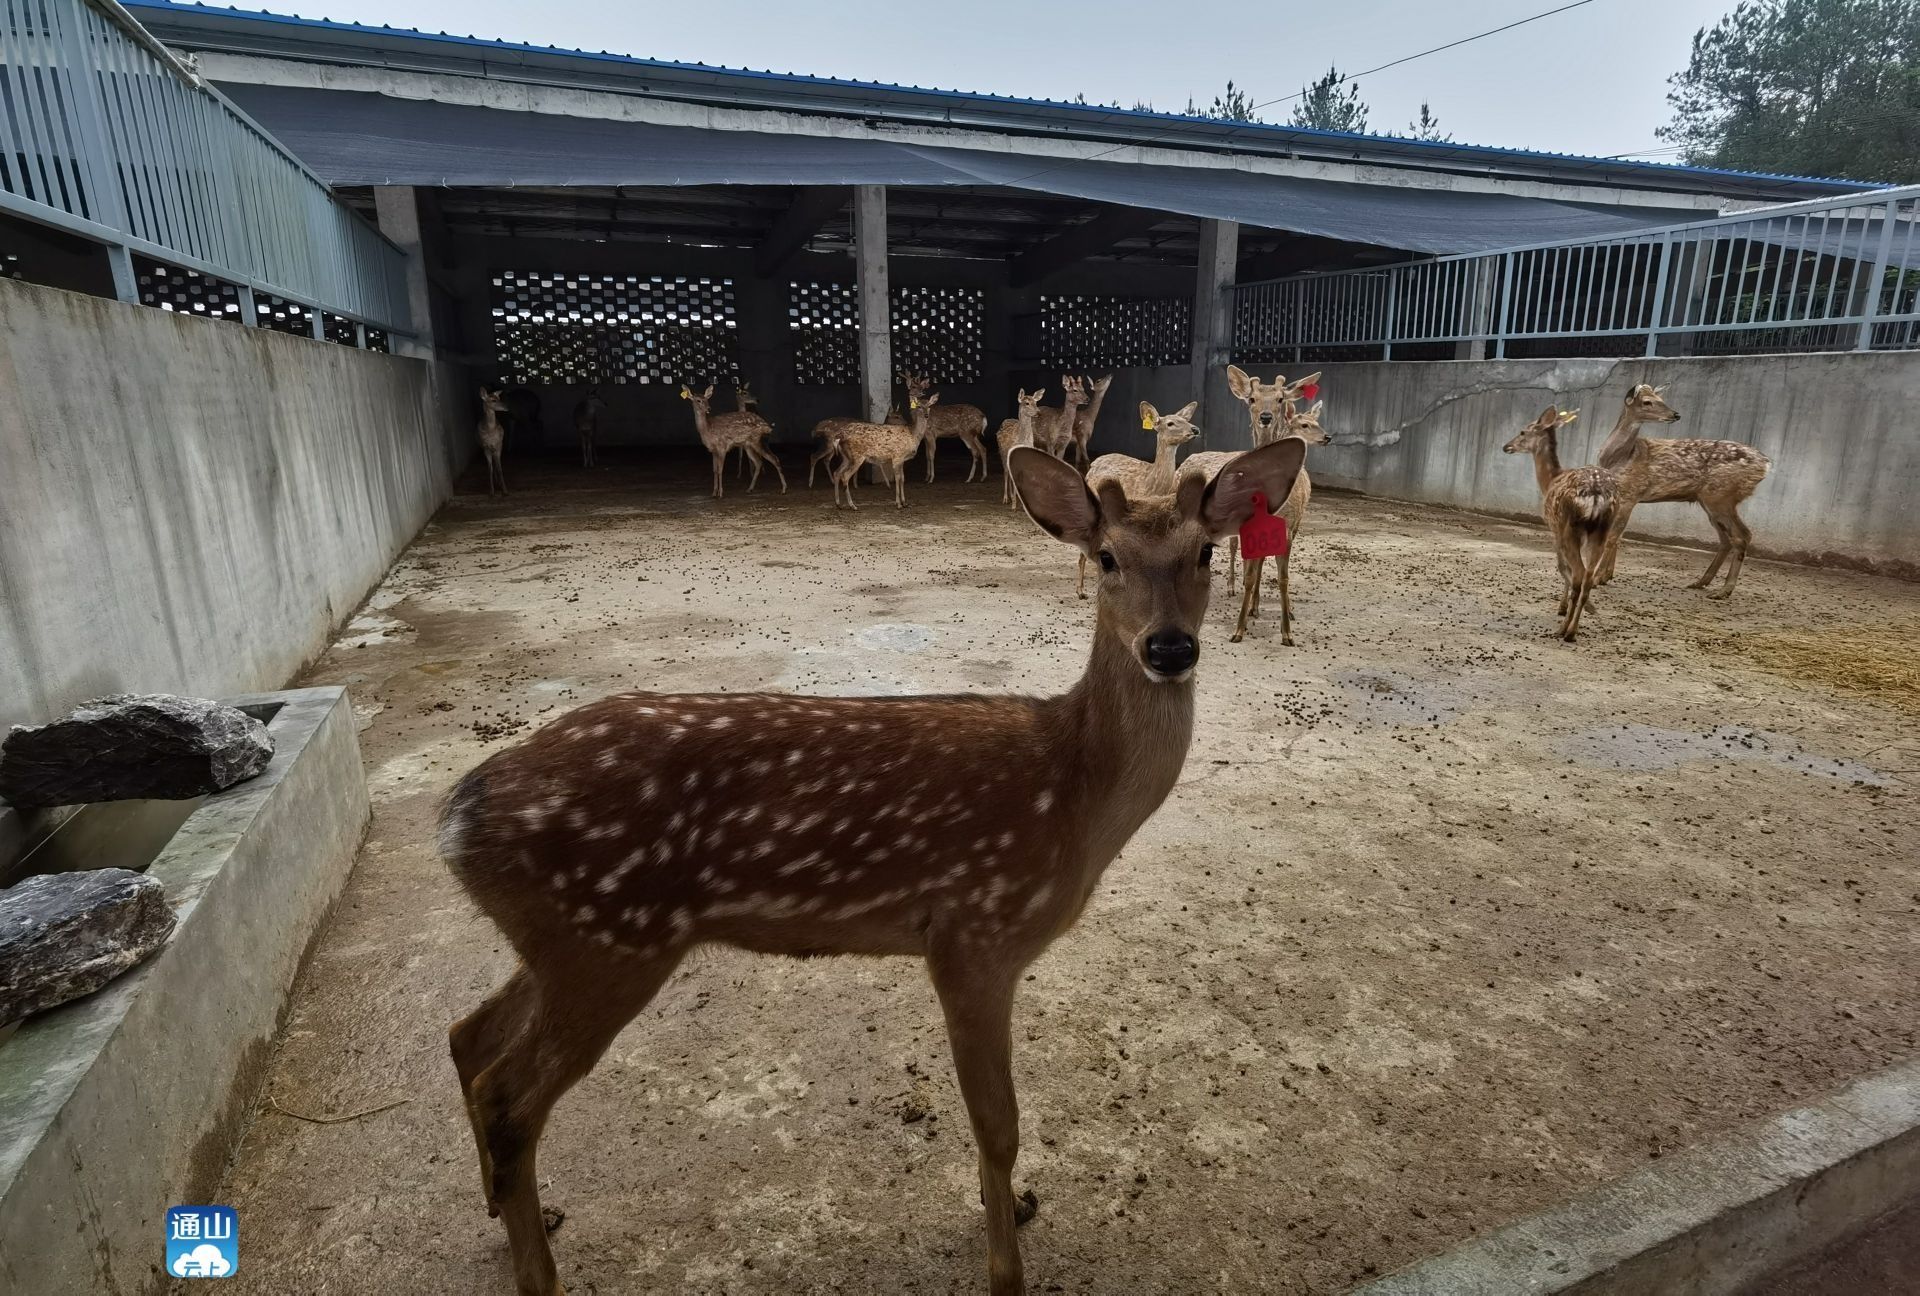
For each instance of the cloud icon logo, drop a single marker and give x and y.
(203, 1261)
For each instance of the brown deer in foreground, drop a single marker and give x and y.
(1017, 432)
(1579, 505)
(1716, 475)
(493, 436)
(614, 840)
(1084, 419)
(586, 423)
(721, 433)
(1141, 478)
(957, 420)
(1301, 425)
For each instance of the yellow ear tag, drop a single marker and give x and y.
(1146, 422)
(913, 404)
(685, 395)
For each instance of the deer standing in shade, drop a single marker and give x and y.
(883, 443)
(1716, 475)
(1053, 425)
(966, 422)
(624, 834)
(1017, 432)
(1085, 419)
(720, 433)
(493, 436)
(745, 402)
(828, 432)
(586, 423)
(1579, 506)
(1141, 478)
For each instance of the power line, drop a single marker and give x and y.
(1437, 49)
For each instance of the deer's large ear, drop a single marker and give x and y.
(1298, 385)
(1186, 411)
(1238, 381)
(1056, 496)
(1268, 471)
(1148, 415)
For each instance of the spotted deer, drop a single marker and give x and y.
(1085, 419)
(883, 443)
(966, 422)
(586, 423)
(1017, 432)
(1053, 425)
(745, 402)
(721, 433)
(1716, 475)
(493, 436)
(629, 831)
(828, 432)
(1301, 425)
(1141, 478)
(1579, 506)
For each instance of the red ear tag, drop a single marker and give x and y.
(1309, 391)
(1263, 535)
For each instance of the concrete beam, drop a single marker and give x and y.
(397, 208)
(812, 207)
(870, 276)
(1213, 328)
(1082, 241)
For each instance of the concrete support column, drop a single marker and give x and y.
(1482, 287)
(870, 277)
(398, 209)
(1213, 328)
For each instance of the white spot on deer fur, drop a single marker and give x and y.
(647, 711)
(533, 817)
(584, 916)
(795, 756)
(1005, 839)
(761, 768)
(810, 821)
(1037, 901)
(602, 730)
(781, 820)
(763, 850)
(805, 862)
(648, 786)
(1043, 802)
(841, 825)
(555, 804)
(720, 722)
(681, 921)
(691, 781)
(576, 819)
(606, 760)
(559, 881)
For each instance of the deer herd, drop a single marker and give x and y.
(965, 830)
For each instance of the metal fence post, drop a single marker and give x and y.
(106, 200)
(318, 319)
(1386, 327)
(1865, 341)
(249, 312)
(1659, 296)
(1506, 306)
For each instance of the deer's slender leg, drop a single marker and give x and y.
(475, 1041)
(772, 461)
(1246, 599)
(900, 484)
(979, 453)
(1286, 603)
(1577, 583)
(1611, 552)
(565, 1035)
(976, 996)
(932, 446)
(1739, 537)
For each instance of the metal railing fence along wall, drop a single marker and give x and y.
(1832, 274)
(106, 134)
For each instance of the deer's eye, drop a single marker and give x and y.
(1107, 563)
(1206, 555)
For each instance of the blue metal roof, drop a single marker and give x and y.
(229, 29)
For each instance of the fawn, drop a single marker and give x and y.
(1053, 426)
(1716, 475)
(746, 402)
(1579, 505)
(964, 421)
(586, 423)
(828, 432)
(493, 436)
(1017, 432)
(1140, 478)
(615, 839)
(721, 433)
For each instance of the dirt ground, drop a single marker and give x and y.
(1445, 922)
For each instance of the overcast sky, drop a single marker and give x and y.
(1590, 81)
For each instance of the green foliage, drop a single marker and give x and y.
(1427, 127)
(1325, 106)
(1804, 87)
(1235, 105)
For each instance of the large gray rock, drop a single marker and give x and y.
(122, 747)
(63, 935)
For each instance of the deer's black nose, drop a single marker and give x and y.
(1171, 652)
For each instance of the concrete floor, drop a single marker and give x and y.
(1446, 921)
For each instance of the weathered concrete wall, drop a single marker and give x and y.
(191, 506)
(1845, 485)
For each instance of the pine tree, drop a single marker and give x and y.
(1323, 105)
(1235, 105)
(1427, 127)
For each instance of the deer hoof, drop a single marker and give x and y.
(1722, 594)
(1025, 1207)
(1237, 637)
(1287, 640)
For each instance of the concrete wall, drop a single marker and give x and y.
(191, 506)
(1841, 430)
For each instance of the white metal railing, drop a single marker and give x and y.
(106, 134)
(1832, 274)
